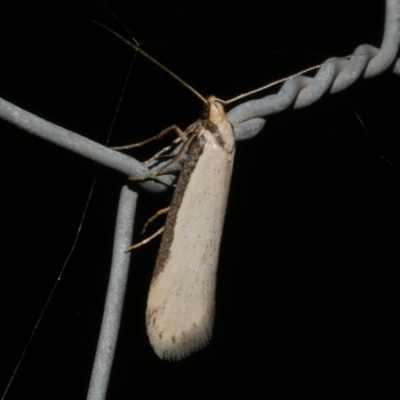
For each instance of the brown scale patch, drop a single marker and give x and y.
(194, 153)
(151, 317)
(212, 128)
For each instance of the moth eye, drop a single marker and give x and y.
(205, 114)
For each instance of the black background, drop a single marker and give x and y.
(306, 295)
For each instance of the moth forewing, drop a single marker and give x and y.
(181, 302)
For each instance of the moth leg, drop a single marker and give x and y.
(175, 128)
(176, 159)
(144, 241)
(164, 150)
(156, 215)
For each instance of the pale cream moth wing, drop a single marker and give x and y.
(181, 302)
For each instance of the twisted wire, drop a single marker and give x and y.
(301, 91)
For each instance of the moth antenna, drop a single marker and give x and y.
(148, 56)
(241, 96)
(223, 102)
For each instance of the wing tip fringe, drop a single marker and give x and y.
(181, 345)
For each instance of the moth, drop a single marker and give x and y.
(181, 301)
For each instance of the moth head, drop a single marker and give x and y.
(213, 110)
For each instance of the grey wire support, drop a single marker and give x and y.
(115, 295)
(247, 119)
(335, 77)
